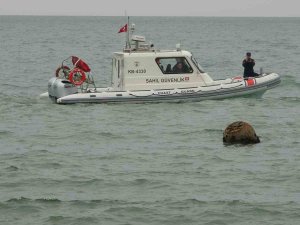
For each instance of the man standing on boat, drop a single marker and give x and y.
(248, 64)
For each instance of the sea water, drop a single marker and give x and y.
(147, 163)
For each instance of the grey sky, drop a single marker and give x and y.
(279, 8)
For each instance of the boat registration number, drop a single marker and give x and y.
(137, 71)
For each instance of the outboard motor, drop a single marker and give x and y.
(58, 88)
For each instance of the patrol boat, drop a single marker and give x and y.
(141, 73)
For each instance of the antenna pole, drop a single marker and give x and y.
(128, 30)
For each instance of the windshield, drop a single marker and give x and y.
(197, 64)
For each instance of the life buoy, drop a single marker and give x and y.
(77, 76)
(79, 63)
(62, 72)
(250, 81)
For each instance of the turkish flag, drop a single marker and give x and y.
(123, 29)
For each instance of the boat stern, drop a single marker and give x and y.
(58, 88)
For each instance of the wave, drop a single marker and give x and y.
(19, 200)
(290, 99)
(55, 219)
(17, 100)
(115, 205)
(141, 181)
(196, 201)
(219, 159)
(189, 133)
(55, 182)
(262, 210)
(48, 200)
(107, 135)
(168, 201)
(72, 220)
(233, 203)
(5, 133)
(216, 222)
(290, 81)
(184, 132)
(216, 131)
(28, 200)
(11, 168)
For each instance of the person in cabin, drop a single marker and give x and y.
(248, 64)
(159, 64)
(181, 66)
(168, 69)
(178, 68)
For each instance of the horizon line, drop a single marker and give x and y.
(64, 15)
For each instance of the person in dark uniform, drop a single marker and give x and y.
(178, 68)
(248, 64)
(181, 66)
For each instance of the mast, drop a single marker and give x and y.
(127, 34)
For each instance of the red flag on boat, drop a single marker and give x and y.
(123, 29)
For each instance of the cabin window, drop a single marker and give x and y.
(174, 65)
(197, 64)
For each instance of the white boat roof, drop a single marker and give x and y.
(136, 47)
(154, 53)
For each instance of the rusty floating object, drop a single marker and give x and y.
(240, 132)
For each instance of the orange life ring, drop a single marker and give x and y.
(64, 70)
(77, 76)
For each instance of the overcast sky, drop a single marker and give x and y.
(290, 8)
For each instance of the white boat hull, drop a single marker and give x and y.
(217, 90)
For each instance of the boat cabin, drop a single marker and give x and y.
(141, 67)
